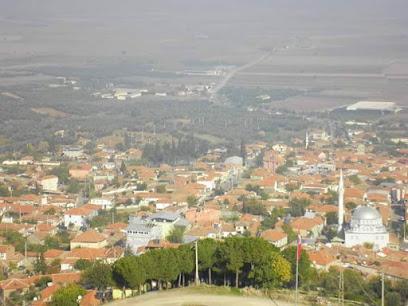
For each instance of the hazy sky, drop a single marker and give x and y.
(187, 28)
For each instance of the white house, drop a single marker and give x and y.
(72, 152)
(79, 216)
(49, 183)
(102, 202)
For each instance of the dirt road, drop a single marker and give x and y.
(175, 298)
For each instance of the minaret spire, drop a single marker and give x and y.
(341, 201)
(307, 140)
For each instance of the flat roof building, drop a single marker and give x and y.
(374, 106)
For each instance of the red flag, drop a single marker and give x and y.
(299, 247)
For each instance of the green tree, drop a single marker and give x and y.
(331, 217)
(67, 296)
(355, 287)
(130, 271)
(141, 186)
(292, 236)
(161, 189)
(207, 256)
(4, 191)
(16, 239)
(51, 242)
(333, 197)
(192, 201)
(305, 269)
(274, 271)
(82, 264)
(401, 286)
(74, 187)
(392, 299)
(98, 276)
(351, 205)
(43, 282)
(176, 235)
(354, 179)
(231, 252)
(329, 281)
(39, 265)
(62, 172)
(254, 207)
(186, 264)
(297, 207)
(123, 168)
(50, 211)
(281, 169)
(166, 266)
(269, 222)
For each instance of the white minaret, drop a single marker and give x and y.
(307, 140)
(341, 201)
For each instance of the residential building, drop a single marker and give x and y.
(79, 216)
(89, 239)
(49, 183)
(276, 237)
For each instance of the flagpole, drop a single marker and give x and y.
(197, 279)
(297, 270)
(297, 274)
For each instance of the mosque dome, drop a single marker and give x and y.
(366, 213)
(365, 220)
(366, 226)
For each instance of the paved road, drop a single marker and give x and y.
(174, 298)
(234, 71)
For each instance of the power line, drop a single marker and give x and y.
(365, 292)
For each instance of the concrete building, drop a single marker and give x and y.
(72, 152)
(155, 227)
(105, 204)
(49, 183)
(139, 232)
(374, 106)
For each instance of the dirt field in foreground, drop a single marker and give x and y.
(176, 298)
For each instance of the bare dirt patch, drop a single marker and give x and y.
(49, 111)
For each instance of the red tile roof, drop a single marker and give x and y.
(90, 236)
(52, 253)
(64, 278)
(13, 284)
(304, 223)
(321, 257)
(89, 299)
(273, 235)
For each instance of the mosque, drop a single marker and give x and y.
(366, 224)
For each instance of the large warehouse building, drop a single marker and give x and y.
(374, 106)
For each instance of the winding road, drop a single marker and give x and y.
(234, 71)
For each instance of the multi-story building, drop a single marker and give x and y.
(155, 227)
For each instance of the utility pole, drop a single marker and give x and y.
(341, 289)
(25, 253)
(197, 280)
(382, 290)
